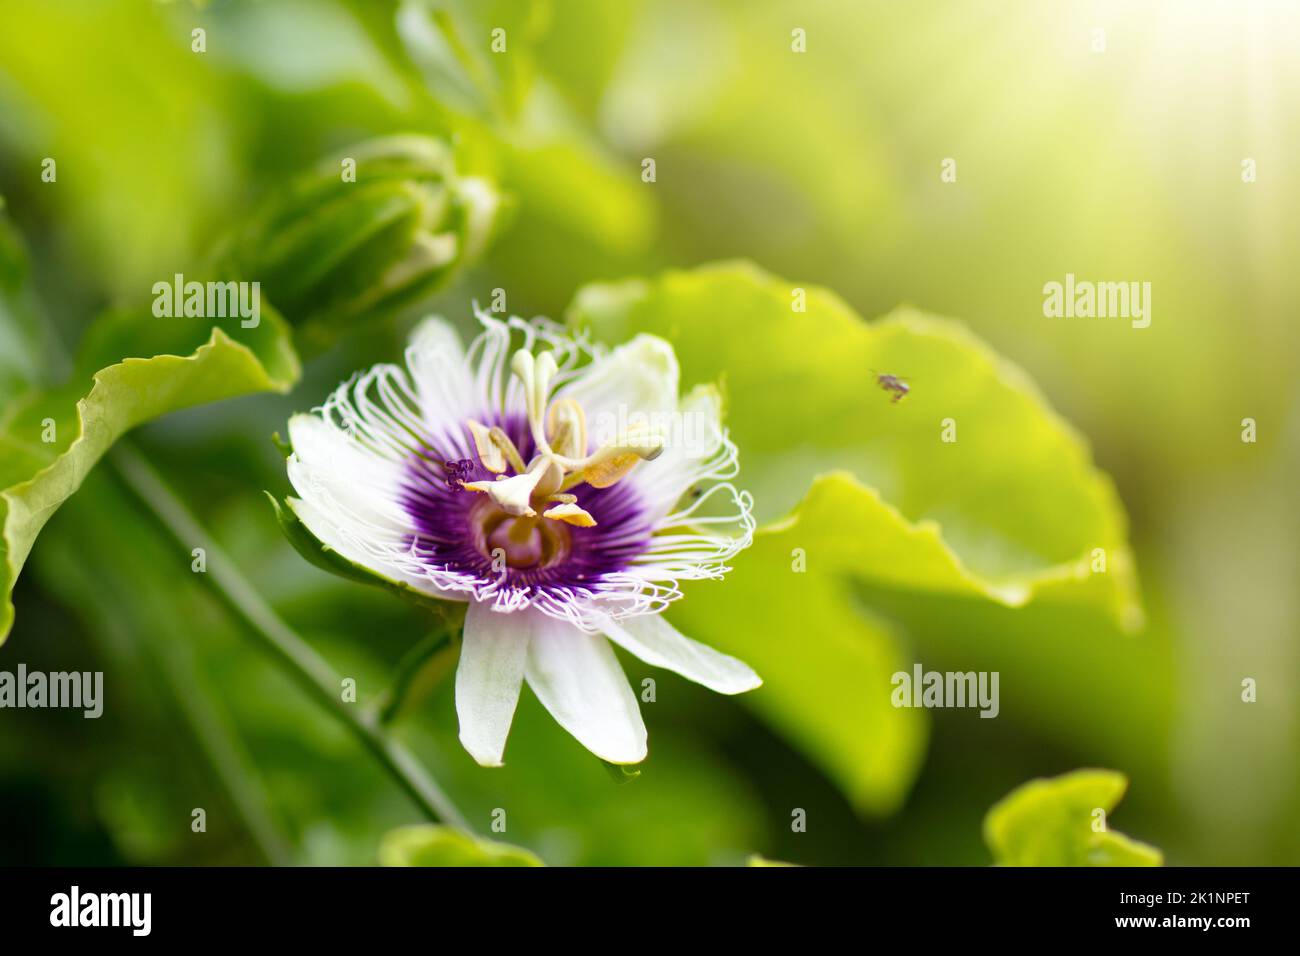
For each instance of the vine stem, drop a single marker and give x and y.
(218, 739)
(295, 654)
(393, 700)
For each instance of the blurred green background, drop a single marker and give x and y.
(823, 167)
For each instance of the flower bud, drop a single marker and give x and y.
(383, 224)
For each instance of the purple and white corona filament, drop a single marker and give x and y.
(561, 489)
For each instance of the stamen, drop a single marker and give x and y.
(488, 452)
(570, 514)
(611, 463)
(608, 471)
(645, 445)
(508, 448)
(495, 449)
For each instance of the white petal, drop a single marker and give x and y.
(634, 384)
(349, 498)
(443, 378)
(488, 678)
(657, 642)
(327, 464)
(576, 676)
(696, 451)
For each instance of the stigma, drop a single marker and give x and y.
(541, 488)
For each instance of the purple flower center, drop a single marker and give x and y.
(466, 533)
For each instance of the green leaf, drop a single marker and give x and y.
(579, 207)
(621, 773)
(1013, 506)
(1011, 512)
(451, 42)
(826, 662)
(1063, 821)
(432, 845)
(52, 438)
(329, 251)
(143, 168)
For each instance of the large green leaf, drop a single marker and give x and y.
(52, 438)
(1062, 821)
(430, 845)
(826, 662)
(1011, 511)
(143, 168)
(326, 248)
(1013, 505)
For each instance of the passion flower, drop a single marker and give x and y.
(563, 490)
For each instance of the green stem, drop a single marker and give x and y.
(221, 744)
(298, 657)
(396, 698)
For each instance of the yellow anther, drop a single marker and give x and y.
(609, 471)
(570, 514)
(613, 461)
(491, 456)
(502, 441)
(495, 449)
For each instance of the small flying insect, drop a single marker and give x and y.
(892, 383)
